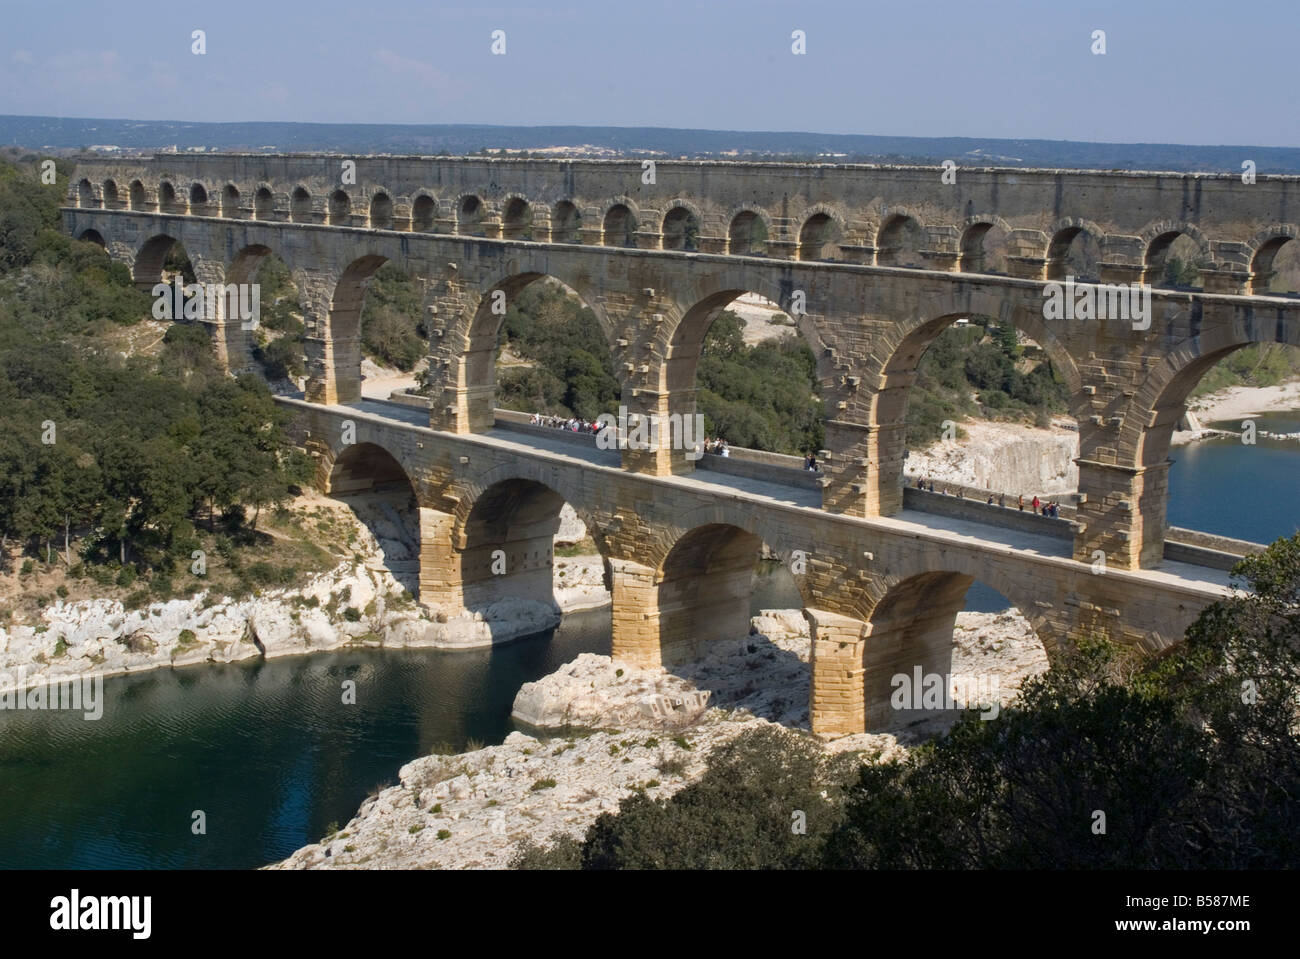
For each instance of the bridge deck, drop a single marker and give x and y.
(922, 525)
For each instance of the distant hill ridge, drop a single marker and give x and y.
(65, 134)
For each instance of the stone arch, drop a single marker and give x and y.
(748, 232)
(169, 200)
(198, 198)
(566, 222)
(86, 198)
(381, 211)
(300, 205)
(92, 236)
(379, 490)
(516, 218)
(620, 223)
(424, 210)
(138, 197)
(509, 517)
(475, 367)
(1263, 249)
(148, 266)
(230, 201)
(892, 369)
(109, 191)
(900, 238)
(703, 583)
(339, 208)
(681, 227)
(263, 203)
(975, 235)
(1161, 400)
(819, 236)
(911, 620)
(471, 214)
(1157, 242)
(1074, 244)
(334, 359)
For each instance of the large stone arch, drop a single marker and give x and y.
(334, 355)
(892, 372)
(502, 535)
(468, 349)
(912, 617)
(390, 507)
(147, 267)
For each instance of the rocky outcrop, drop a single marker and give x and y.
(603, 729)
(1003, 456)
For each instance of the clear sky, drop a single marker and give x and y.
(1180, 71)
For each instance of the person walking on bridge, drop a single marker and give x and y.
(1021, 504)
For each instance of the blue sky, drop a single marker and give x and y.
(1175, 70)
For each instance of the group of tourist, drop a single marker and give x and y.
(1040, 507)
(717, 445)
(573, 424)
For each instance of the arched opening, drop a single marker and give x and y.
(929, 655)
(681, 230)
(394, 335)
(263, 204)
(747, 235)
(469, 216)
(300, 205)
(818, 238)
(1173, 260)
(230, 201)
(620, 226)
(517, 220)
(740, 361)
(985, 410)
(527, 558)
(566, 221)
(423, 212)
(198, 199)
(111, 200)
(277, 342)
(160, 260)
(86, 195)
(1074, 252)
(1237, 479)
(139, 200)
(340, 208)
(92, 236)
(381, 212)
(1275, 268)
(984, 248)
(168, 201)
(703, 590)
(551, 358)
(900, 241)
(367, 479)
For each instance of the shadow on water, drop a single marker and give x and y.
(266, 750)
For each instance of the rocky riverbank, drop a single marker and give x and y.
(654, 731)
(1237, 403)
(1007, 457)
(359, 602)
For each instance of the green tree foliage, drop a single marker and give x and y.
(392, 327)
(569, 371)
(123, 453)
(762, 396)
